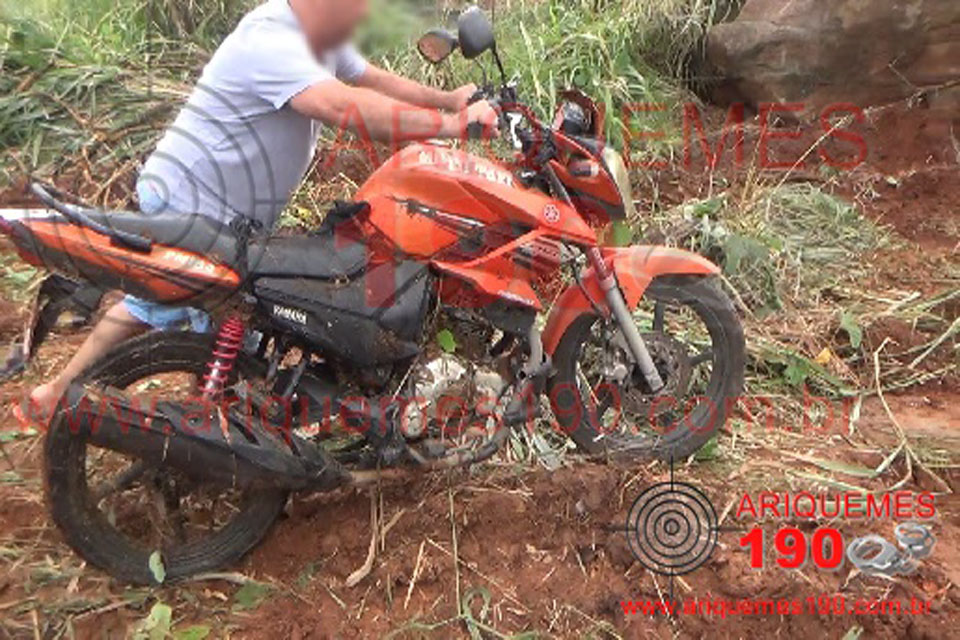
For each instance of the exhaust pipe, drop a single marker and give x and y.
(208, 442)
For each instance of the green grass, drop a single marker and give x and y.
(87, 86)
(619, 53)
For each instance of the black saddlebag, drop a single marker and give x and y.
(375, 318)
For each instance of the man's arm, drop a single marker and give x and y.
(412, 92)
(382, 118)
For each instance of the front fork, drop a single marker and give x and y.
(618, 307)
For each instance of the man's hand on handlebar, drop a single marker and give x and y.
(460, 98)
(480, 119)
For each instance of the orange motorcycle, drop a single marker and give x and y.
(408, 332)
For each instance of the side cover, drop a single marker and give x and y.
(164, 273)
(370, 320)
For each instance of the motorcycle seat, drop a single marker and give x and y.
(321, 257)
(324, 255)
(199, 234)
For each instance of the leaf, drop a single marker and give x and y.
(853, 633)
(156, 626)
(16, 434)
(709, 451)
(622, 234)
(446, 341)
(196, 632)
(739, 249)
(149, 385)
(796, 373)
(708, 207)
(23, 277)
(156, 567)
(829, 482)
(466, 606)
(849, 324)
(824, 357)
(545, 453)
(250, 595)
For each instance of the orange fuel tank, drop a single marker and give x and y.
(426, 196)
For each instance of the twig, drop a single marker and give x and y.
(394, 520)
(234, 578)
(908, 453)
(456, 555)
(506, 593)
(354, 578)
(954, 328)
(416, 574)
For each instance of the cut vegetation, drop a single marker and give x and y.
(836, 303)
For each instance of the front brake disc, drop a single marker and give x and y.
(673, 362)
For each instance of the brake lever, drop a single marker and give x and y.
(513, 122)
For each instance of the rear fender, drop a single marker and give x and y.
(56, 295)
(634, 267)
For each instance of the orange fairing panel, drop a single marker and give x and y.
(597, 183)
(634, 267)
(168, 273)
(515, 289)
(457, 182)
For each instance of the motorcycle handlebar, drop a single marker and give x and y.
(475, 129)
(526, 137)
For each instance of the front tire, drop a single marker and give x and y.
(75, 506)
(580, 412)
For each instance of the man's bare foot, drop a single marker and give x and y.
(38, 408)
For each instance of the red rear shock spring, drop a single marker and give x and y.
(229, 341)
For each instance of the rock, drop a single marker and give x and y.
(823, 52)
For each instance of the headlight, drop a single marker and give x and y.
(618, 169)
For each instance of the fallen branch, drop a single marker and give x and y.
(354, 578)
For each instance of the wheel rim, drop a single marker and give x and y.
(146, 509)
(687, 346)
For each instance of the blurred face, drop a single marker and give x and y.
(330, 23)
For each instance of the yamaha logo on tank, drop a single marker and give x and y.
(287, 313)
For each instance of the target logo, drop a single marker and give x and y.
(672, 528)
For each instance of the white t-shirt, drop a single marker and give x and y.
(237, 147)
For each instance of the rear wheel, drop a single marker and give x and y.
(695, 338)
(117, 512)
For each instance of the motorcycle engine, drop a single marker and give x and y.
(455, 383)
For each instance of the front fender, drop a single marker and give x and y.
(635, 267)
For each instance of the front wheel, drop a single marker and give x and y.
(601, 399)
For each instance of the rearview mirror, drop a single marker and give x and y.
(436, 45)
(475, 32)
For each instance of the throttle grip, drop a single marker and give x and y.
(474, 131)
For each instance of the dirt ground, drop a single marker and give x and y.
(547, 547)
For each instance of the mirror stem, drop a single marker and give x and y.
(496, 57)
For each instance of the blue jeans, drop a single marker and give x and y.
(161, 316)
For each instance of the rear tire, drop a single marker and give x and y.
(72, 505)
(717, 313)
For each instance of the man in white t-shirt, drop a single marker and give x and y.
(244, 139)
